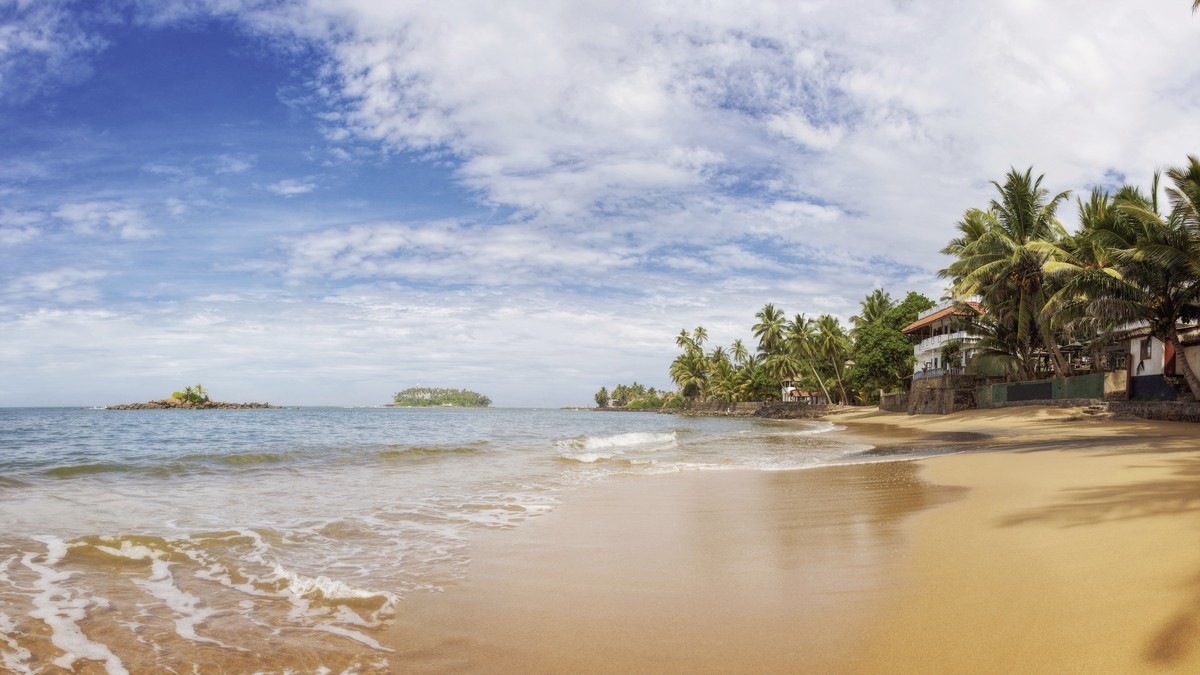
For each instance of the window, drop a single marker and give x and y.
(1146, 349)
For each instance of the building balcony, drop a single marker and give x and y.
(935, 343)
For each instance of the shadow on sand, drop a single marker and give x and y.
(1178, 494)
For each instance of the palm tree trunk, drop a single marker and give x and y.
(820, 382)
(838, 375)
(1061, 367)
(1182, 364)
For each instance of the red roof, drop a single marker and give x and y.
(949, 311)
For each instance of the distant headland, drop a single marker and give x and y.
(428, 397)
(191, 398)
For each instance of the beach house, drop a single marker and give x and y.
(936, 326)
(792, 393)
(1154, 370)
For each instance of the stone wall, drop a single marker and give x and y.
(894, 402)
(1166, 411)
(717, 408)
(943, 395)
(791, 411)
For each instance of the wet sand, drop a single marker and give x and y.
(704, 572)
(1071, 546)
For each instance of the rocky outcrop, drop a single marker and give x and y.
(180, 404)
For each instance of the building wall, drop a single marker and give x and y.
(1151, 364)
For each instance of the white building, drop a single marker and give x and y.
(934, 328)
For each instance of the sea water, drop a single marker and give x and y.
(142, 541)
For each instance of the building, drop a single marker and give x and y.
(793, 394)
(934, 328)
(1152, 364)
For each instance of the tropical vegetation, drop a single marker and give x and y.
(1044, 290)
(1131, 262)
(423, 397)
(636, 397)
(192, 394)
(816, 354)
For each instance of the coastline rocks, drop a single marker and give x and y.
(179, 404)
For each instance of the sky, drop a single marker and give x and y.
(323, 202)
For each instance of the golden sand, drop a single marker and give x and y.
(1070, 547)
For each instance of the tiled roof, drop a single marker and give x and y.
(949, 311)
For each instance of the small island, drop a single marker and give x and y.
(428, 397)
(191, 398)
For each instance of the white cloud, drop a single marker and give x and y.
(64, 285)
(100, 217)
(18, 227)
(42, 46)
(683, 163)
(234, 163)
(291, 187)
(451, 253)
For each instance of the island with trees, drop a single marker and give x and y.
(429, 397)
(191, 398)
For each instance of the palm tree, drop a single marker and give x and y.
(684, 340)
(833, 344)
(700, 336)
(799, 336)
(873, 307)
(1002, 255)
(1162, 272)
(739, 351)
(769, 329)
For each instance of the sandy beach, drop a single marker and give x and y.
(1053, 542)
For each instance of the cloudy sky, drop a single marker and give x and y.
(325, 201)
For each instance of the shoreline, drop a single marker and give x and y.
(1029, 549)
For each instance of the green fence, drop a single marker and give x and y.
(1079, 386)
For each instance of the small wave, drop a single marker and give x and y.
(815, 429)
(413, 451)
(238, 459)
(324, 588)
(592, 449)
(6, 482)
(628, 440)
(86, 470)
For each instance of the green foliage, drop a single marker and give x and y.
(883, 356)
(424, 397)
(648, 403)
(631, 397)
(602, 397)
(196, 394)
(952, 353)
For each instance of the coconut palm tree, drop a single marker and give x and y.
(832, 343)
(873, 307)
(739, 352)
(1162, 269)
(769, 329)
(800, 341)
(1002, 255)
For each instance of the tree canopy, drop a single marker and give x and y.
(423, 397)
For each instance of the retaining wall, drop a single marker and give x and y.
(1166, 411)
(895, 402)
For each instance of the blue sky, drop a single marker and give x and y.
(314, 202)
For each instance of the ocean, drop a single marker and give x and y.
(217, 541)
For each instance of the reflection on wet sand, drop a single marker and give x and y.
(732, 571)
